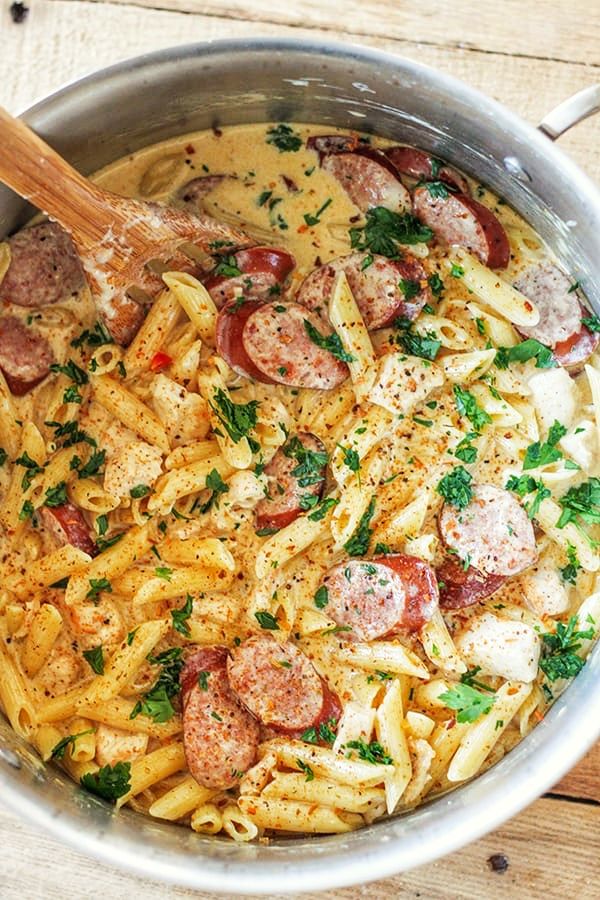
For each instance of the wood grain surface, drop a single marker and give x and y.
(530, 56)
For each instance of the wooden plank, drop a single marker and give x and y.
(550, 30)
(551, 850)
(78, 47)
(583, 782)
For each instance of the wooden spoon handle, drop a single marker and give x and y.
(36, 172)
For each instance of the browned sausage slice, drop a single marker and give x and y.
(276, 339)
(68, 526)
(193, 192)
(220, 737)
(492, 533)
(25, 356)
(290, 479)
(230, 326)
(369, 179)
(384, 289)
(421, 166)
(458, 219)
(262, 274)
(324, 144)
(377, 597)
(460, 587)
(44, 267)
(561, 312)
(276, 682)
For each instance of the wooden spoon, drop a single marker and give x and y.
(115, 237)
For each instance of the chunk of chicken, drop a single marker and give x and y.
(114, 745)
(183, 413)
(131, 465)
(500, 647)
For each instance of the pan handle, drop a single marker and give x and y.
(571, 111)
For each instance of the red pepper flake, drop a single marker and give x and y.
(160, 361)
(190, 149)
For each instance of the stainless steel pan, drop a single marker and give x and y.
(148, 99)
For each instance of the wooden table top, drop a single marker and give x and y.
(526, 54)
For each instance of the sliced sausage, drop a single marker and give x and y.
(560, 326)
(25, 356)
(68, 526)
(220, 737)
(288, 484)
(377, 597)
(458, 219)
(376, 287)
(193, 192)
(422, 166)
(460, 587)
(492, 533)
(324, 144)
(231, 321)
(263, 274)
(277, 683)
(44, 267)
(275, 337)
(369, 179)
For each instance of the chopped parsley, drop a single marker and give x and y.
(322, 509)
(455, 487)
(110, 782)
(93, 465)
(72, 395)
(469, 678)
(315, 220)
(409, 288)
(529, 349)
(311, 463)
(569, 572)
(464, 450)
(163, 572)
(3, 456)
(217, 486)
(203, 680)
(322, 732)
(358, 542)
(427, 347)
(592, 323)
(96, 586)
(436, 284)
(57, 495)
(238, 418)
(95, 657)
(351, 459)
(457, 271)
(58, 751)
(372, 752)
(559, 659)
(468, 701)
(266, 620)
(539, 454)
(97, 337)
(467, 405)
(227, 267)
(139, 491)
(71, 431)
(304, 767)
(581, 502)
(156, 704)
(330, 342)
(322, 597)
(72, 371)
(180, 616)
(26, 511)
(525, 484)
(32, 468)
(384, 230)
(284, 138)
